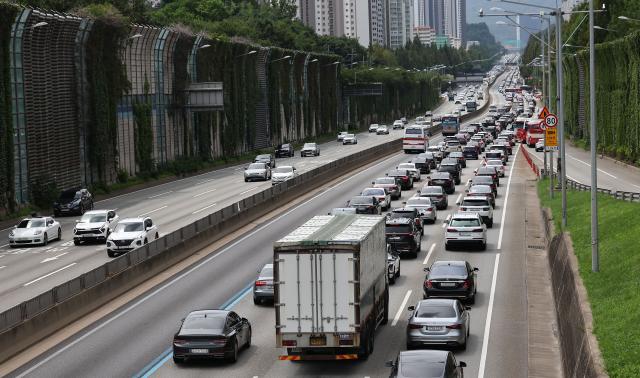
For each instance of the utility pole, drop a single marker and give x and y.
(544, 153)
(595, 258)
(560, 75)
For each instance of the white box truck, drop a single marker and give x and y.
(331, 288)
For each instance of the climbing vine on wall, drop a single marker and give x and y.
(107, 83)
(7, 203)
(143, 133)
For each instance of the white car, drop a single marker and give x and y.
(540, 145)
(498, 165)
(373, 127)
(398, 124)
(465, 228)
(131, 233)
(311, 149)
(257, 171)
(381, 194)
(95, 225)
(393, 267)
(341, 135)
(480, 205)
(35, 231)
(425, 207)
(282, 174)
(350, 139)
(411, 167)
(382, 129)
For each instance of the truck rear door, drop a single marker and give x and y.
(316, 291)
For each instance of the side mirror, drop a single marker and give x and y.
(462, 364)
(426, 269)
(246, 168)
(373, 182)
(404, 202)
(467, 308)
(348, 202)
(77, 220)
(476, 269)
(411, 308)
(245, 320)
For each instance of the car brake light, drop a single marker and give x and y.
(179, 341)
(261, 283)
(454, 326)
(463, 208)
(428, 284)
(476, 230)
(429, 208)
(290, 343)
(466, 284)
(414, 326)
(405, 178)
(452, 230)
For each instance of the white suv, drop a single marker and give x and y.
(130, 234)
(480, 205)
(373, 127)
(466, 228)
(398, 124)
(95, 225)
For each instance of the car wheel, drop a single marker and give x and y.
(59, 233)
(76, 242)
(446, 246)
(45, 240)
(234, 356)
(398, 272)
(157, 236)
(247, 345)
(483, 246)
(463, 346)
(111, 253)
(256, 301)
(490, 223)
(178, 360)
(392, 280)
(81, 209)
(145, 241)
(472, 300)
(245, 180)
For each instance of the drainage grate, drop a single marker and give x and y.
(536, 246)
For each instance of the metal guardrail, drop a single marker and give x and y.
(616, 194)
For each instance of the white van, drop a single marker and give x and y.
(415, 139)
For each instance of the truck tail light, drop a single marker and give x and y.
(289, 343)
(261, 283)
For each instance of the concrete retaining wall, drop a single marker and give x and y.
(579, 347)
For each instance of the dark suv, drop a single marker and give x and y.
(422, 164)
(470, 152)
(406, 212)
(284, 150)
(403, 235)
(452, 168)
(268, 159)
(403, 178)
(443, 179)
(73, 201)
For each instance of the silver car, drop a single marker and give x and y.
(438, 322)
(282, 174)
(263, 285)
(383, 196)
(349, 139)
(257, 171)
(425, 207)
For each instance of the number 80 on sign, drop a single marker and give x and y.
(551, 120)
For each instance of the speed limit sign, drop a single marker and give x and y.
(551, 120)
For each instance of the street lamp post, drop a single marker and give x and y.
(595, 259)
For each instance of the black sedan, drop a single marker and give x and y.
(426, 363)
(73, 201)
(365, 205)
(268, 159)
(403, 177)
(284, 150)
(443, 179)
(422, 164)
(211, 334)
(450, 279)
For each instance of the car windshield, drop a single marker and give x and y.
(474, 202)
(395, 214)
(202, 324)
(482, 179)
(283, 170)
(447, 168)
(455, 154)
(398, 229)
(487, 170)
(432, 311)
(422, 369)
(444, 270)
(263, 157)
(385, 180)
(480, 189)
(361, 201)
(68, 196)
(31, 223)
(348, 135)
(310, 145)
(466, 222)
(256, 166)
(494, 162)
(129, 227)
(407, 166)
(419, 202)
(472, 149)
(93, 218)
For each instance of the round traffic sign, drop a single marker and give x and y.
(551, 120)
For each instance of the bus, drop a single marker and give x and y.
(534, 131)
(518, 127)
(415, 139)
(450, 124)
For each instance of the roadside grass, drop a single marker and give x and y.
(614, 292)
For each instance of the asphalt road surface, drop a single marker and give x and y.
(134, 340)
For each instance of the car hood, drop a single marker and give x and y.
(22, 232)
(281, 175)
(254, 171)
(86, 226)
(126, 235)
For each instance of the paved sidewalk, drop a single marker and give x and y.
(544, 347)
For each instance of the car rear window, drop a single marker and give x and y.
(474, 202)
(464, 223)
(198, 324)
(373, 192)
(386, 180)
(361, 201)
(431, 311)
(444, 270)
(469, 149)
(256, 166)
(422, 369)
(398, 229)
(419, 202)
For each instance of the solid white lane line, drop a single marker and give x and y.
(49, 274)
(249, 190)
(589, 165)
(53, 258)
(506, 200)
(426, 259)
(161, 194)
(444, 224)
(180, 277)
(459, 198)
(401, 309)
(206, 181)
(2, 246)
(2, 267)
(203, 193)
(487, 324)
(203, 209)
(154, 210)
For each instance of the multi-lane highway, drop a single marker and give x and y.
(134, 339)
(29, 271)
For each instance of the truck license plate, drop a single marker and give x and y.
(199, 351)
(317, 341)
